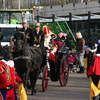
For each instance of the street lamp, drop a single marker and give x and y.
(3, 4)
(34, 7)
(18, 4)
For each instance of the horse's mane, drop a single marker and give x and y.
(21, 36)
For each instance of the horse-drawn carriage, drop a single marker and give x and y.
(28, 61)
(57, 67)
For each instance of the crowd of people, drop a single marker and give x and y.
(36, 38)
(90, 50)
(41, 38)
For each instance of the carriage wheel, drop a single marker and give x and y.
(45, 79)
(64, 72)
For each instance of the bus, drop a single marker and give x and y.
(12, 18)
(8, 31)
(16, 16)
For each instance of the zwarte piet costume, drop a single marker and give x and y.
(8, 80)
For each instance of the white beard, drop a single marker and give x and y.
(54, 50)
(47, 40)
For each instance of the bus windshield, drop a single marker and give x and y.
(15, 17)
(7, 33)
(4, 18)
(12, 18)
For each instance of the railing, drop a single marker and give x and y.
(94, 34)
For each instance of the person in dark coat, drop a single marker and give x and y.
(94, 75)
(28, 33)
(38, 41)
(38, 37)
(90, 54)
(59, 37)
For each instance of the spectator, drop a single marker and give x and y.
(80, 51)
(70, 43)
(71, 60)
(59, 37)
(64, 35)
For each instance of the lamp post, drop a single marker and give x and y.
(34, 7)
(3, 4)
(11, 4)
(18, 4)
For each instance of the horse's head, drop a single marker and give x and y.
(20, 40)
(1, 37)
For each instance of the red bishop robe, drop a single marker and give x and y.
(95, 69)
(8, 76)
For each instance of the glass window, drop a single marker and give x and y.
(15, 18)
(7, 33)
(0, 17)
(4, 18)
(28, 17)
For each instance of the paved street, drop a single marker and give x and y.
(76, 89)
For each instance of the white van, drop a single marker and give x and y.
(8, 30)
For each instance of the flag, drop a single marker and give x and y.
(22, 92)
(94, 91)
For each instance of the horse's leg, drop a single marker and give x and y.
(33, 77)
(27, 74)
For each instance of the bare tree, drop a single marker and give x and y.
(29, 3)
(52, 2)
(0, 4)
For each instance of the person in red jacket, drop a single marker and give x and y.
(71, 60)
(8, 78)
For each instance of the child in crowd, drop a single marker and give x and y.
(71, 60)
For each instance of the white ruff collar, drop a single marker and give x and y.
(9, 62)
(98, 55)
(93, 50)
